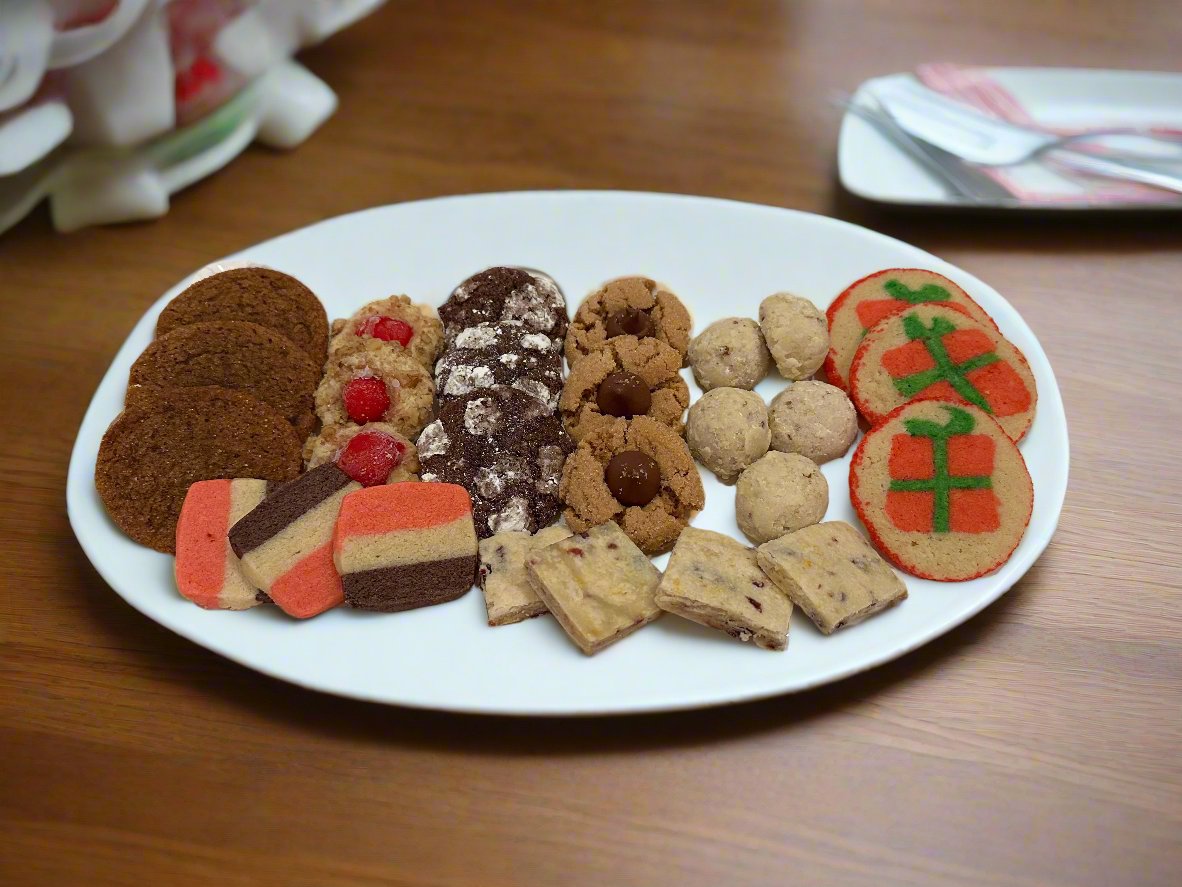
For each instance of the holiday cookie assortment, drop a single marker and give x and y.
(388, 460)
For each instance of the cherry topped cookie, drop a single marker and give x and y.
(638, 473)
(503, 293)
(396, 321)
(376, 384)
(623, 378)
(629, 306)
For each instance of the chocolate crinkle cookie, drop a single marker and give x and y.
(504, 353)
(504, 293)
(506, 449)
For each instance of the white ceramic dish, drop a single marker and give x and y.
(871, 167)
(722, 258)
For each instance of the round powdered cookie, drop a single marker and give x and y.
(867, 301)
(630, 306)
(169, 439)
(814, 419)
(639, 474)
(934, 352)
(506, 449)
(780, 493)
(730, 353)
(505, 353)
(503, 293)
(396, 321)
(796, 334)
(234, 354)
(623, 378)
(371, 454)
(376, 384)
(259, 295)
(727, 430)
(943, 491)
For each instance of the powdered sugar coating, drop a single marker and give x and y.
(535, 369)
(504, 293)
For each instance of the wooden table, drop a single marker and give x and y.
(1038, 744)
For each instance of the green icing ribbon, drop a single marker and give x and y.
(942, 483)
(929, 292)
(955, 374)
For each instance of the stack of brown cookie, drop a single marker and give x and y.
(497, 386)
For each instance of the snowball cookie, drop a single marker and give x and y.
(796, 333)
(727, 430)
(781, 493)
(729, 353)
(813, 419)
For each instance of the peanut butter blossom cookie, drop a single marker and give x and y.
(639, 474)
(506, 449)
(397, 322)
(630, 306)
(264, 296)
(935, 352)
(867, 301)
(623, 378)
(504, 293)
(942, 489)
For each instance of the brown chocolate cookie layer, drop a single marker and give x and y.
(277, 513)
(264, 296)
(167, 440)
(407, 587)
(234, 354)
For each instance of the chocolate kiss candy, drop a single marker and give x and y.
(633, 478)
(624, 395)
(629, 322)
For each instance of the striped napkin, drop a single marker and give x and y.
(1043, 180)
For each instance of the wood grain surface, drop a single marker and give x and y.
(1038, 744)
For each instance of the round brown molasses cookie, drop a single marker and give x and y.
(234, 354)
(169, 439)
(376, 384)
(505, 353)
(622, 378)
(259, 295)
(396, 321)
(506, 449)
(370, 454)
(639, 474)
(503, 293)
(630, 306)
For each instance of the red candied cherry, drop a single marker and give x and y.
(366, 399)
(388, 329)
(370, 457)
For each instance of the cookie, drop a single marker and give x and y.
(255, 294)
(238, 355)
(727, 430)
(638, 473)
(207, 571)
(508, 596)
(876, 296)
(623, 378)
(598, 585)
(371, 454)
(505, 353)
(285, 543)
(506, 449)
(730, 353)
(715, 581)
(830, 571)
(396, 321)
(796, 334)
(376, 384)
(402, 546)
(814, 419)
(942, 489)
(503, 293)
(934, 352)
(630, 306)
(169, 439)
(780, 493)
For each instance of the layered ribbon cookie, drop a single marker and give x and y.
(207, 571)
(285, 544)
(405, 545)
